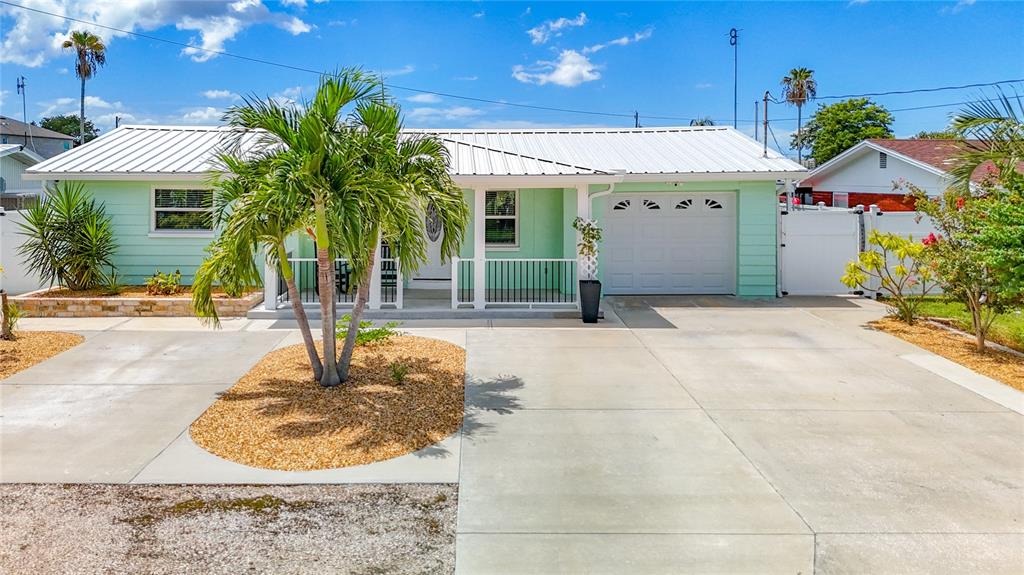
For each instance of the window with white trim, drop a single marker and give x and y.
(501, 218)
(182, 210)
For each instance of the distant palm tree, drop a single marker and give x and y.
(91, 53)
(798, 87)
(705, 121)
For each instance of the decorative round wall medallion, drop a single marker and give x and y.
(433, 223)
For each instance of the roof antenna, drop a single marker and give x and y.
(636, 119)
(24, 114)
(734, 39)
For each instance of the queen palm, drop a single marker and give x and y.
(90, 54)
(993, 129)
(409, 173)
(257, 214)
(797, 88)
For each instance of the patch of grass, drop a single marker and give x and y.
(263, 504)
(1007, 329)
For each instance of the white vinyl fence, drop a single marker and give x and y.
(816, 244)
(14, 278)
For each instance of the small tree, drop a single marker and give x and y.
(69, 124)
(590, 235)
(70, 240)
(900, 270)
(979, 236)
(838, 127)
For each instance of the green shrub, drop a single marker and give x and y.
(11, 315)
(899, 267)
(164, 284)
(70, 239)
(112, 283)
(398, 372)
(367, 334)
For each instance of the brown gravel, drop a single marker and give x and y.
(277, 417)
(212, 530)
(32, 347)
(999, 365)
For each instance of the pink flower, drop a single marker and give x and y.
(960, 203)
(931, 239)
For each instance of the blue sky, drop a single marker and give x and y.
(661, 59)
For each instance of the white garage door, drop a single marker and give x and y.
(668, 243)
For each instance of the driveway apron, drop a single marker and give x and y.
(739, 440)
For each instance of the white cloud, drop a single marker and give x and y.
(480, 14)
(72, 106)
(623, 41)
(288, 96)
(571, 69)
(467, 78)
(856, 2)
(425, 98)
(203, 115)
(541, 33)
(31, 38)
(407, 69)
(351, 22)
(450, 114)
(958, 7)
(220, 95)
(704, 85)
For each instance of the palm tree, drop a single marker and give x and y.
(409, 174)
(257, 215)
(993, 129)
(797, 88)
(90, 53)
(704, 121)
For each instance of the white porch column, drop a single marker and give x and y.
(269, 285)
(583, 211)
(479, 249)
(375, 283)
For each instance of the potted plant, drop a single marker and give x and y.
(590, 288)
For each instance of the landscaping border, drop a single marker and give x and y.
(36, 304)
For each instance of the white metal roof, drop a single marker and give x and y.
(689, 150)
(153, 152)
(19, 151)
(189, 152)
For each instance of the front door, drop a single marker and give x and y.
(433, 268)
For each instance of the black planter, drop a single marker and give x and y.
(590, 300)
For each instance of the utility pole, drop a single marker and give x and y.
(24, 113)
(636, 119)
(734, 38)
(757, 111)
(117, 122)
(767, 95)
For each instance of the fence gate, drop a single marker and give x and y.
(815, 247)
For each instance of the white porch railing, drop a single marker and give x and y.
(533, 282)
(385, 284)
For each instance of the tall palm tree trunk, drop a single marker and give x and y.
(300, 312)
(799, 138)
(325, 274)
(81, 117)
(362, 295)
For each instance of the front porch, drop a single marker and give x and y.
(519, 256)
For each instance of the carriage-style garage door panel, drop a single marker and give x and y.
(670, 243)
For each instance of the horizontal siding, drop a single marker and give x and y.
(756, 241)
(138, 255)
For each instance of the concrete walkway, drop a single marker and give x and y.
(711, 438)
(682, 435)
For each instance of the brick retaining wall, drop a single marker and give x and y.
(36, 304)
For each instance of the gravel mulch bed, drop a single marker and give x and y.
(32, 347)
(208, 530)
(277, 417)
(999, 365)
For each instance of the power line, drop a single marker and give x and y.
(918, 90)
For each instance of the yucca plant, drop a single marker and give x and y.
(70, 239)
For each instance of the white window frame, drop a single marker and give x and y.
(155, 233)
(502, 247)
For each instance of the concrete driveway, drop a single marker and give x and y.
(713, 436)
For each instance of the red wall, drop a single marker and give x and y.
(887, 202)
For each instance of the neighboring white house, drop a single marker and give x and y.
(14, 159)
(865, 174)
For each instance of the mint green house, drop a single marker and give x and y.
(684, 211)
